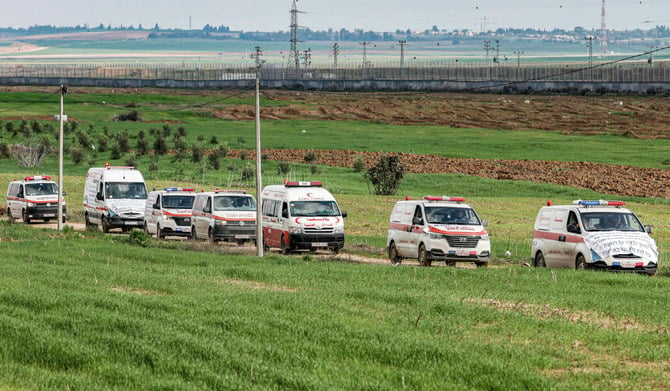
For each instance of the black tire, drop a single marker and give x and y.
(285, 248)
(336, 250)
(46, 220)
(210, 236)
(160, 234)
(539, 260)
(104, 225)
(64, 218)
(423, 256)
(450, 263)
(87, 222)
(9, 215)
(146, 229)
(393, 255)
(194, 237)
(25, 217)
(482, 264)
(580, 263)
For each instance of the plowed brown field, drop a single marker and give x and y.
(640, 117)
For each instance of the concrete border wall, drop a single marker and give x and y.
(570, 87)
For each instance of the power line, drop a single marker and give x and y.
(31, 103)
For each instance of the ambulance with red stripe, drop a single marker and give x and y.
(114, 197)
(301, 216)
(168, 212)
(35, 197)
(224, 215)
(437, 228)
(593, 234)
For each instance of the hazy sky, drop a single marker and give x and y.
(376, 15)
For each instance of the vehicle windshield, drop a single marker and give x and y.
(178, 201)
(611, 221)
(36, 189)
(126, 190)
(230, 202)
(314, 208)
(451, 215)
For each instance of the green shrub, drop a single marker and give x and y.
(283, 167)
(310, 157)
(359, 164)
(386, 175)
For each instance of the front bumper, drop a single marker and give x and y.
(332, 241)
(44, 212)
(650, 269)
(234, 233)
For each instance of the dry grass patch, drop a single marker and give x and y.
(143, 292)
(256, 285)
(548, 312)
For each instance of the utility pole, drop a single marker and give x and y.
(603, 30)
(63, 91)
(259, 182)
(518, 61)
(590, 45)
(307, 57)
(365, 53)
(487, 48)
(294, 55)
(402, 43)
(496, 59)
(336, 52)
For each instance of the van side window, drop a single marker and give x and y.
(158, 201)
(573, 223)
(418, 216)
(284, 209)
(208, 205)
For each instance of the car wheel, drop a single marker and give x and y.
(25, 217)
(580, 264)
(393, 255)
(423, 256)
(47, 220)
(87, 222)
(146, 229)
(105, 225)
(539, 260)
(160, 234)
(450, 263)
(64, 218)
(9, 215)
(194, 236)
(482, 264)
(210, 236)
(285, 247)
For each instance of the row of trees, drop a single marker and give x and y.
(33, 141)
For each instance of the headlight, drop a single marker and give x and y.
(339, 229)
(112, 212)
(187, 220)
(220, 222)
(436, 236)
(485, 237)
(296, 230)
(595, 256)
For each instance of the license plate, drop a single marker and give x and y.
(179, 230)
(462, 253)
(49, 214)
(628, 264)
(134, 222)
(241, 236)
(319, 244)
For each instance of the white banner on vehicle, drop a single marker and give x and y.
(607, 244)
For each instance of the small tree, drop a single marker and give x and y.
(386, 175)
(160, 146)
(359, 164)
(310, 157)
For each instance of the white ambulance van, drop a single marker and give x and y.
(437, 228)
(168, 212)
(593, 234)
(301, 215)
(224, 215)
(35, 197)
(114, 197)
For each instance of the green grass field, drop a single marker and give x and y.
(81, 310)
(85, 311)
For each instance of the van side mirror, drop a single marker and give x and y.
(647, 229)
(156, 206)
(64, 193)
(344, 213)
(417, 221)
(207, 209)
(485, 223)
(99, 196)
(284, 213)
